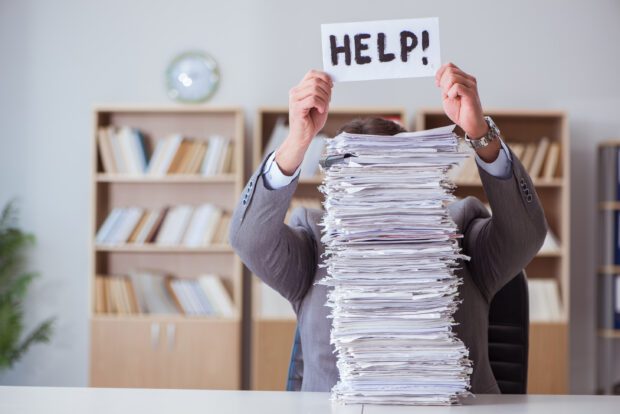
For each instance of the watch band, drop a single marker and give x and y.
(491, 136)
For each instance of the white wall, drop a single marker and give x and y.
(59, 58)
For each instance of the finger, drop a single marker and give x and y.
(316, 74)
(457, 90)
(313, 101)
(441, 71)
(310, 90)
(316, 83)
(450, 79)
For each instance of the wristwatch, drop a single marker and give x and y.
(491, 136)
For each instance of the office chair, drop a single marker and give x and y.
(508, 340)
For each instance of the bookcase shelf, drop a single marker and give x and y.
(171, 179)
(608, 272)
(548, 372)
(272, 335)
(129, 248)
(161, 350)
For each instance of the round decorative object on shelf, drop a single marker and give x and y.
(192, 77)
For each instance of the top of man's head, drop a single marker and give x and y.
(372, 126)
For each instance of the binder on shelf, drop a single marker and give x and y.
(609, 301)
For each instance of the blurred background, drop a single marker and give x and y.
(83, 82)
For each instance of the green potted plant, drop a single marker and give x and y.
(14, 282)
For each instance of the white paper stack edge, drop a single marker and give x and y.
(391, 254)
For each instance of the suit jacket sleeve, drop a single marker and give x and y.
(500, 246)
(284, 257)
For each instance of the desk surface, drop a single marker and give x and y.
(49, 400)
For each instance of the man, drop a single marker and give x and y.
(286, 257)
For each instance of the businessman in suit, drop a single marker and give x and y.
(286, 257)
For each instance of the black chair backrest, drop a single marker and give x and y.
(508, 340)
(509, 323)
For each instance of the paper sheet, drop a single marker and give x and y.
(381, 49)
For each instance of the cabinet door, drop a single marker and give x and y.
(126, 353)
(272, 342)
(203, 353)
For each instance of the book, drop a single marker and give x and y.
(126, 223)
(221, 233)
(205, 306)
(129, 150)
(119, 158)
(168, 153)
(151, 293)
(153, 232)
(517, 149)
(310, 163)
(544, 300)
(175, 164)
(551, 244)
(274, 305)
(138, 228)
(174, 225)
(608, 173)
(539, 157)
(609, 301)
(202, 226)
(552, 161)
(216, 294)
(100, 290)
(528, 155)
(278, 135)
(213, 160)
(106, 228)
(105, 151)
(194, 164)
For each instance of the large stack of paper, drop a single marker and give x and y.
(391, 254)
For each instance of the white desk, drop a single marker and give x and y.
(50, 400)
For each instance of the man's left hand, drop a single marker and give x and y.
(460, 98)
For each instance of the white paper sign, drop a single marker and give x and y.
(381, 49)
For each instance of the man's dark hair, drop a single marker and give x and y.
(372, 126)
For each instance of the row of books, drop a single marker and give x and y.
(544, 299)
(541, 160)
(310, 165)
(609, 173)
(125, 150)
(154, 292)
(181, 225)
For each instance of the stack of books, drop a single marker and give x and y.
(152, 292)
(125, 150)
(181, 225)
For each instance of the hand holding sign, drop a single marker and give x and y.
(461, 103)
(381, 49)
(307, 113)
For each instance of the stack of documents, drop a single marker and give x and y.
(391, 254)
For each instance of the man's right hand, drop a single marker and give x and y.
(307, 111)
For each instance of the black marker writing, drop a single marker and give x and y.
(425, 42)
(359, 47)
(346, 49)
(405, 45)
(383, 57)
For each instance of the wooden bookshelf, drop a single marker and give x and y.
(272, 336)
(548, 358)
(167, 351)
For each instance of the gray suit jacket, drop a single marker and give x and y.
(286, 257)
